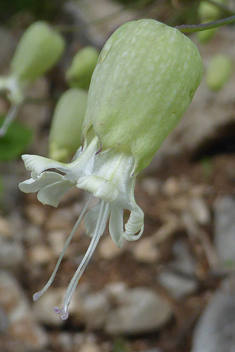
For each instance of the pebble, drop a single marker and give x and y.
(90, 347)
(224, 218)
(145, 251)
(90, 309)
(151, 185)
(183, 260)
(22, 325)
(57, 241)
(60, 219)
(96, 308)
(12, 253)
(39, 255)
(171, 187)
(141, 310)
(107, 248)
(214, 331)
(5, 229)
(200, 210)
(36, 214)
(177, 285)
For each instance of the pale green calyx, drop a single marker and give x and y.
(83, 64)
(38, 50)
(146, 76)
(66, 128)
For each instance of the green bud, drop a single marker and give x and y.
(83, 64)
(66, 129)
(38, 50)
(208, 11)
(218, 72)
(205, 36)
(146, 77)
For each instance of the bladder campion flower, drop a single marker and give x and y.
(38, 50)
(145, 78)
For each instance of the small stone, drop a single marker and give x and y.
(183, 261)
(12, 253)
(36, 214)
(214, 331)
(90, 347)
(141, 311)
(39, 255)
(60, 219)
(96, 307)
(200, 211)
(5, 229)
(22, 325)
(107, 248)
(178, 286)
(151, 185)
(224, 209)
(171, 187)
(116, 290)
(145, 251)
(57, 240)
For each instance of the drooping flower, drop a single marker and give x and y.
(145, 78)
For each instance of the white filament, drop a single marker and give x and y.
(104, 209)
(38, 294)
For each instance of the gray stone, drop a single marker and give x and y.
(183, 261)
(12, 253)
(178, 286)
(214, 331)
(141, 310)
(22, 326)
(224, 210)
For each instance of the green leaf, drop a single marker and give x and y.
(15, 141)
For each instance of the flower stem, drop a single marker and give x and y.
(11, 115)
(201, 27)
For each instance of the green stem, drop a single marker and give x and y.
(202, 27)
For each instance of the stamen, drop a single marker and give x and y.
(103, 215)
(13, 111)
(38, 294)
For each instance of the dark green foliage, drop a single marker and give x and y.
(15, 141)
(41, 9)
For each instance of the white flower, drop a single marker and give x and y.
(107, 176)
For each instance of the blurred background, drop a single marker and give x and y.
(174, 289)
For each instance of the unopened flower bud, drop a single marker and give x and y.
(218, 72)
(83, 64)
(66, 128)
(145, 79)
(208, 11)
(38, 50)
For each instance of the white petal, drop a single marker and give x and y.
(91, 218)
(116, 225)
(38, 164)
(99, 187)
(134, 224)
(34, 185)
(52, 193)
